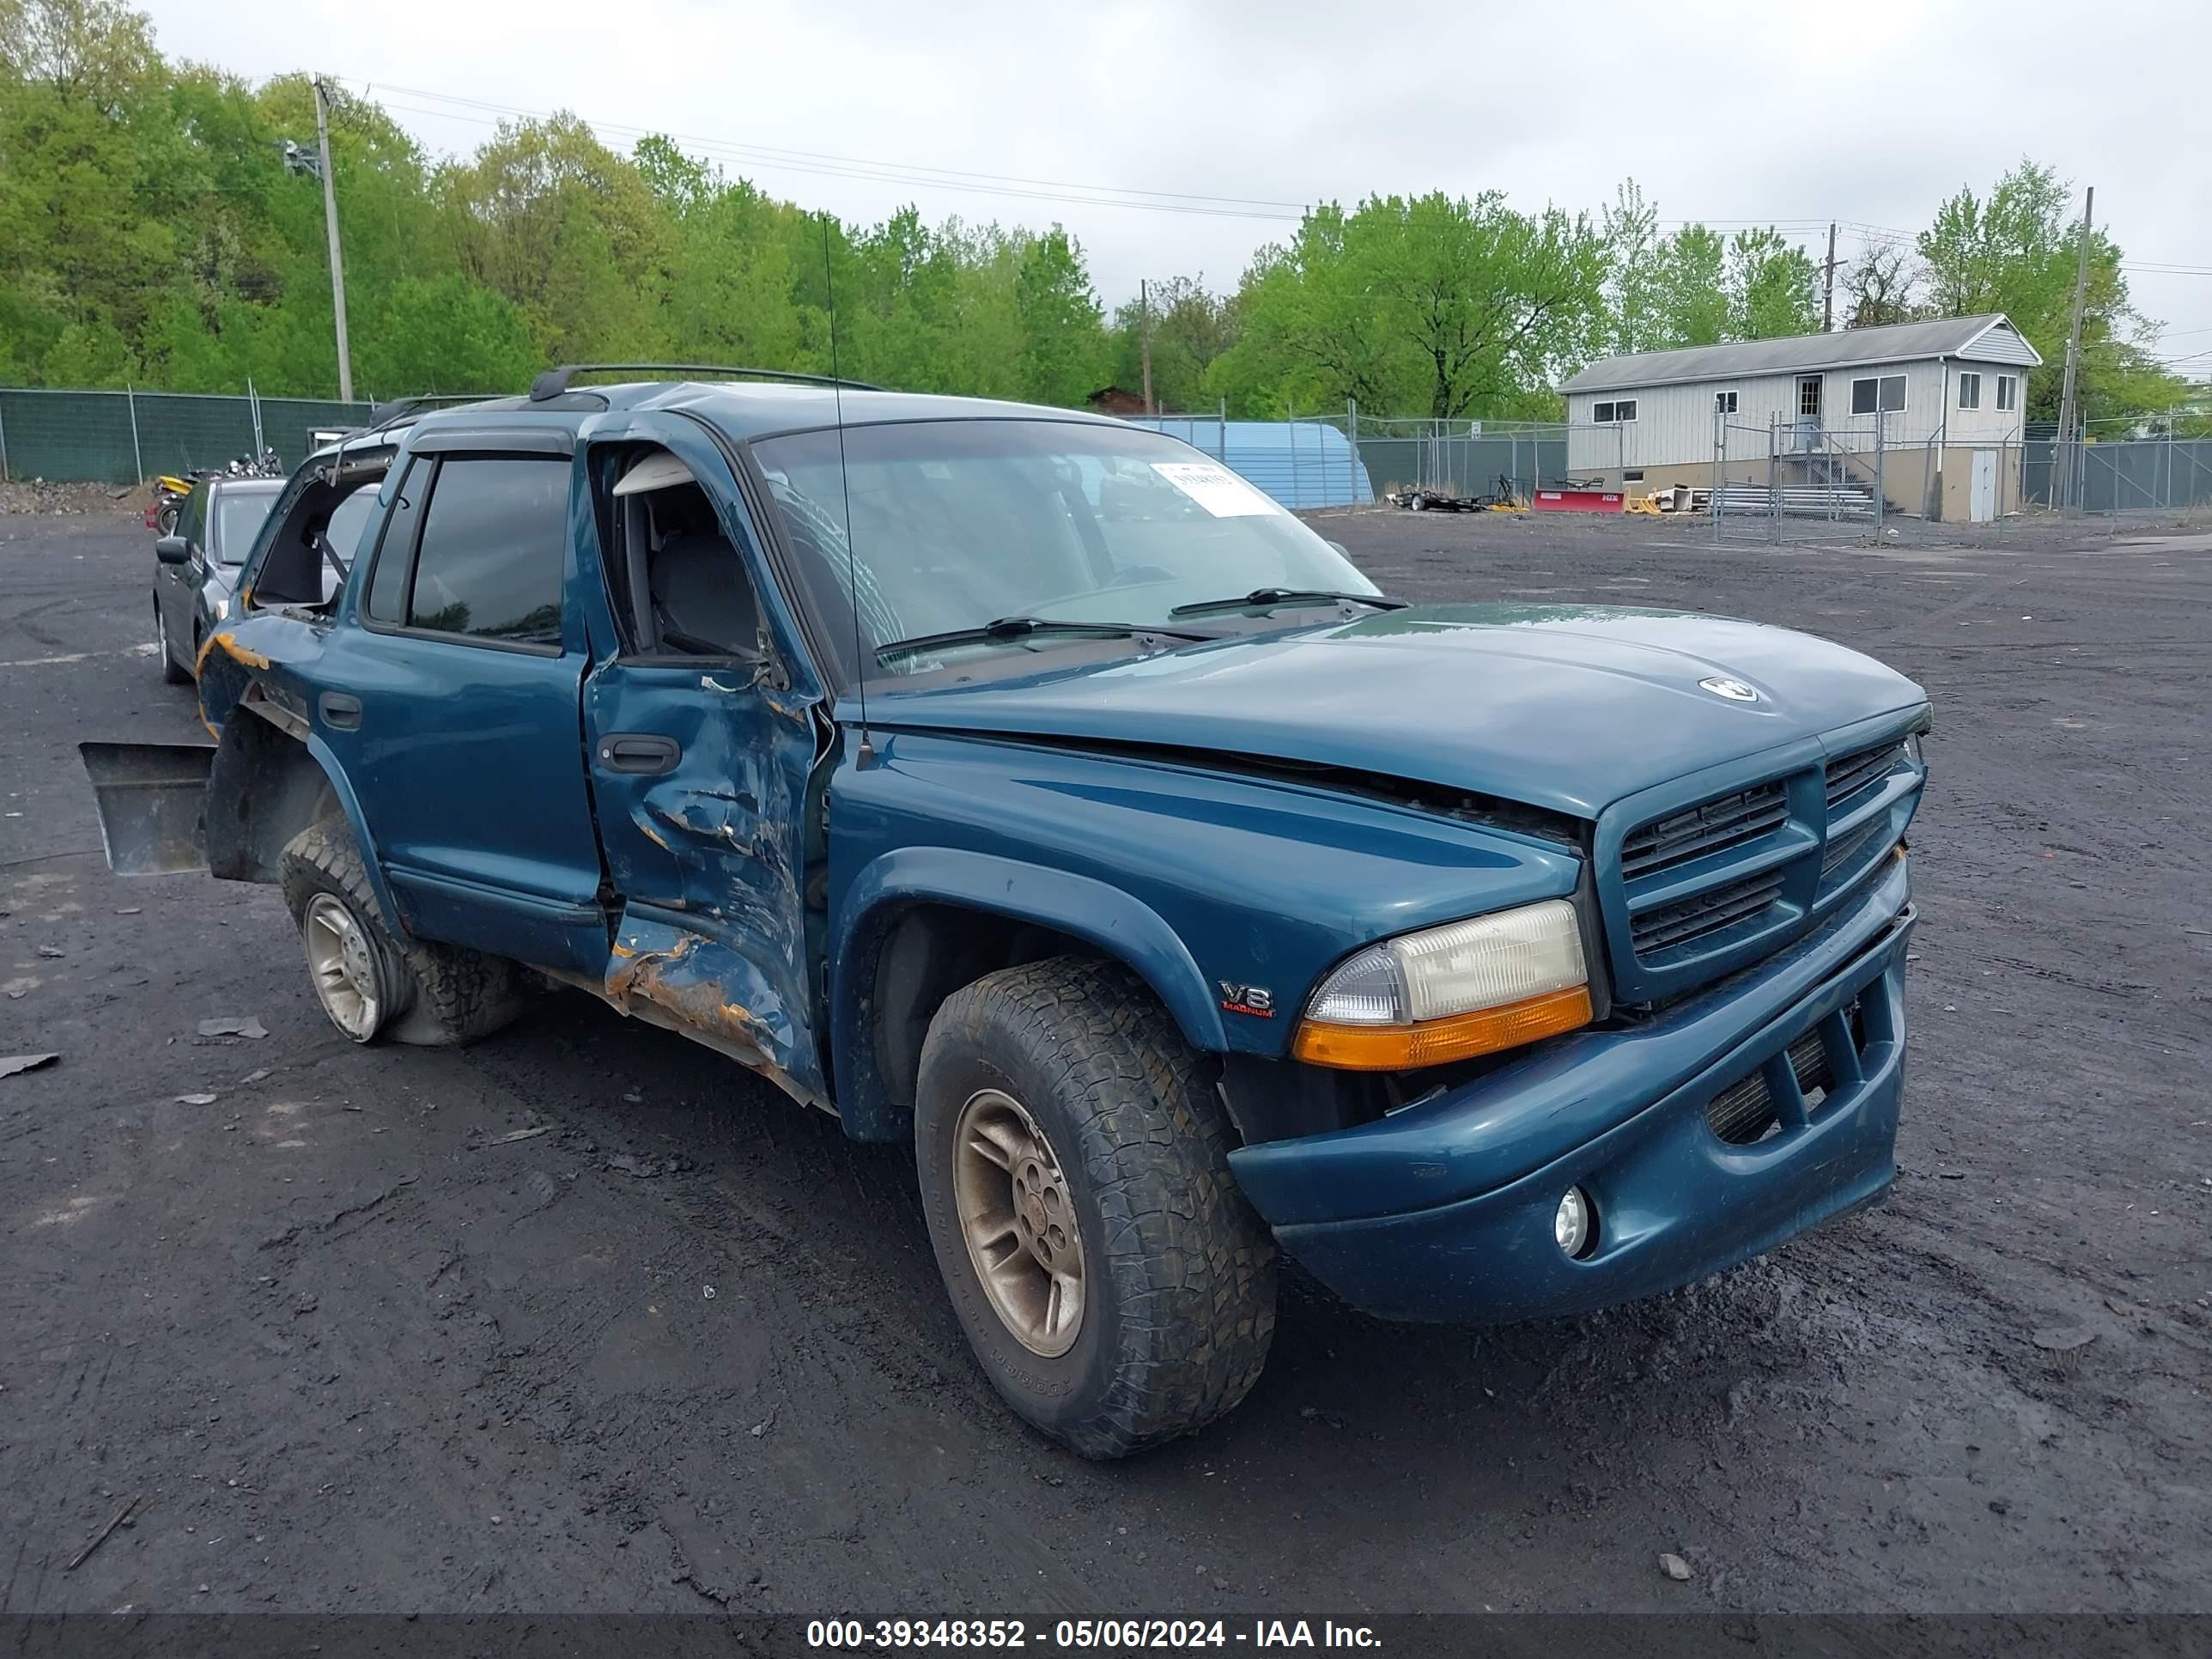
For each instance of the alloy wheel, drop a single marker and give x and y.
(1018, 1216)
(344, 971)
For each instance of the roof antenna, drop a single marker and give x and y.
(864, 757)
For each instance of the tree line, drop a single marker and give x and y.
(152, 233)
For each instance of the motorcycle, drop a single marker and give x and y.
(170, 493)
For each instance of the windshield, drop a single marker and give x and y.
(240, 514)
(956, 523)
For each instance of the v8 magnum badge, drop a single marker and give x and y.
(1256, 1000)
(1734, 690)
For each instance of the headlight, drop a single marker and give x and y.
(1468, 987)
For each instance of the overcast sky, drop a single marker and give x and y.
(1868, 113)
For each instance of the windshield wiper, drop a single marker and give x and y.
(1021, 628)
(1267, 598)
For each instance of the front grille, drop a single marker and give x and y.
(1709, 911)
(1711, 826)
(1840, 854)
(1849, 774)
(1745, 1113)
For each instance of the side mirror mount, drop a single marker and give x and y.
(173, 550)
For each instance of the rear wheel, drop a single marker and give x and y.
(372, 984)
(171, 670)
(1074, 1160)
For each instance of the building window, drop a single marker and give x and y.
(1884, 395)
(1605, 414)
(1809, 394)
(1970, 391)
(2008, 390)
(1634, 475)
(1724, 403)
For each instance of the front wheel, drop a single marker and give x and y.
(165, 518)
(1073, 1160)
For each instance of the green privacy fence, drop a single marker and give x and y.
(121, 437)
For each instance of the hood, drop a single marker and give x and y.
(1565, 708)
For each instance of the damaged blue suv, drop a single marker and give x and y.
(1022, 785)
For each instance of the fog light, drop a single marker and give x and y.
(1574, 1226)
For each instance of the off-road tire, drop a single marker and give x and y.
(1179, 1272)
(441, 994)
(172, 673)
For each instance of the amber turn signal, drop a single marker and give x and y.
(1433, 1042)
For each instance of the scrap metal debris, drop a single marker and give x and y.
(518, 1135)
(232, 1025)
(197, 1100)
(2063, 1339)
(11, 1064)
(100, 1537)
(1675, 1567)
(646, 1168)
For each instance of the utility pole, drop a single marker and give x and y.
(331, 224)
(1145, 334)
(2067, 414)
(1828, 284)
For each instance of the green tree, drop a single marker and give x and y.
(2015, 251)
(1636, 273)
(1691, 307)
(1191, 327)
(1063, 337)
(1453, 306)
(1772, 286)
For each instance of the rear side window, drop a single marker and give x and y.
(387, 579)
(490, 561)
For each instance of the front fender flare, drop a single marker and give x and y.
(1123, 927)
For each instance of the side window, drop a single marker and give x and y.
(490, 561)
(387, 578)
(193, 525)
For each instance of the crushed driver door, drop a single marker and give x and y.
(701, 758)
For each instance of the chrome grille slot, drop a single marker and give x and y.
(1709, 911)
(1710, 827)
(1847, 775)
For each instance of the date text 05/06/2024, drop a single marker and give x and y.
(1107, 1635)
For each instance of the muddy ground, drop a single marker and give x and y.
(350, 1351)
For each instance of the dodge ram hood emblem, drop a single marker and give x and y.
(1734, 690)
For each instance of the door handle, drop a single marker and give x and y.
(341, 710)
(644, 754)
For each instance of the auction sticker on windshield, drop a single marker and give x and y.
(1216, 489)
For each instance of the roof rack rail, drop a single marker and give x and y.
(554, 381)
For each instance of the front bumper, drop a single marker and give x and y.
(1444, 1210)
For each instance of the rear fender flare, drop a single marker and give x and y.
(1122, 927)
(257, 761)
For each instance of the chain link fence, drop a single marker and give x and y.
(1799, 480)
(1468, 458)
(126, 437)
(2114, 476)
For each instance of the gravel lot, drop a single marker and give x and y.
(687, 1349)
